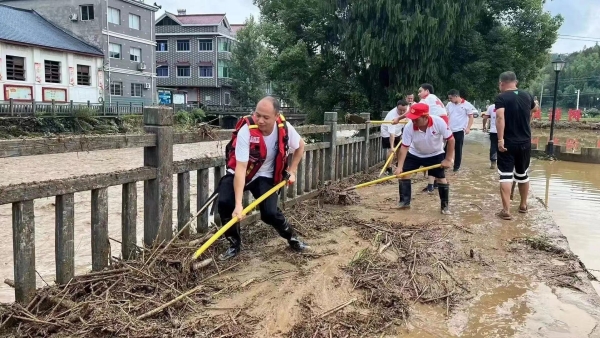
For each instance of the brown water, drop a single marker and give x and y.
(572, 193)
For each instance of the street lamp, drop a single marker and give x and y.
(558, 65)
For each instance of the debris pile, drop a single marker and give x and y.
(335, 192)
(406, 265)
(160, 293)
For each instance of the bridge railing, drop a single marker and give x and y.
(331, 159)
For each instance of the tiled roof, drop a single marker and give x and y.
(200, 19)
(28, 27)
(236, 27)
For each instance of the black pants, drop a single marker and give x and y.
(493, 147)
(459, 137)
(513, 164)
(269, 212)
(413, 162)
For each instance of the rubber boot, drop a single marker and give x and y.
(405, 191)
(234, 249)
(444, 191)
(295, 243)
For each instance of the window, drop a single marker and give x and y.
(183, 71)
(15, 68)
(206, 71)
(205, 45)
(223, 69)
(87, 12)
(183, 45)
(136, 89)
(227, 99)
(134, 21)
(114, 16)
(224, 45)
(116, 88)
(162, 71)
(83, 75)
(162, 45)
(52, 71)
(135, 54)
(114, 51)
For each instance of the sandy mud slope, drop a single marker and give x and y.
(372, 272)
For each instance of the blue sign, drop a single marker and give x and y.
(164, 97)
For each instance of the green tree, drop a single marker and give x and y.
(581, 72)
(361, 55)
(248, 77)
(511, 35)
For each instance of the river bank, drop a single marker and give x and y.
(376, 271)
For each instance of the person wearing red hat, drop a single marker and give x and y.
(423, 146)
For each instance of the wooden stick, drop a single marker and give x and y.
(209, 202)
(184, 295)
(337, 308)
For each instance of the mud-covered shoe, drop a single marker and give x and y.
(403, 206)
(230, 253)
(493, 165)
(297, 245)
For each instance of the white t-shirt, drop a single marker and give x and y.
(387, 129)
(458, 115)
(491, 111)
(436, 106)
(242, 148)
(429, 142)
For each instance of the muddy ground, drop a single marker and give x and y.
(373, 272)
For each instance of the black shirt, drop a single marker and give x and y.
(517, 106)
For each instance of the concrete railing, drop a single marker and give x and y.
(587, 155)
(332, 159)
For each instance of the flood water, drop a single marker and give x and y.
(571, 191)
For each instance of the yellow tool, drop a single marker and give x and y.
(390, 158)
(235, 219)
(387, 178)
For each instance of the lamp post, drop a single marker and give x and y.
(558, 65)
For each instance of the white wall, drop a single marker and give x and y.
(34, 55)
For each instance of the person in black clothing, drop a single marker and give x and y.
(513, 115)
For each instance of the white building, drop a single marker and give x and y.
(41, 62)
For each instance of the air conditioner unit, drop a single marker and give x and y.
(147, 85)
(73, 17)
(141, 66)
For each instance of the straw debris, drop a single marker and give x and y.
(150, 296)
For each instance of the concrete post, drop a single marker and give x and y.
(158, 193)
(366, 133)
(330, 161)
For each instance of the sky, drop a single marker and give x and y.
(580, 28)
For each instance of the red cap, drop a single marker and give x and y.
(417, 110)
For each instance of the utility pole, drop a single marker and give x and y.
(578, 91)
(541, 94)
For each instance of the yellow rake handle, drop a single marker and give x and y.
(387, 178)
(235, 219)
(390, 158)
(386, 122)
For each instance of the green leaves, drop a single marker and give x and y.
(362, 55)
